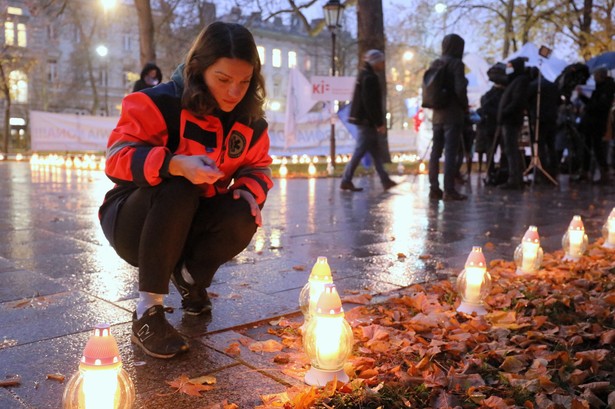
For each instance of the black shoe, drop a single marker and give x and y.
(435, 194)
(451, 196)
(193, 301)
(155, 335)
(350, 186)
(389, 184)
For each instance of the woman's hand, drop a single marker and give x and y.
(198, 169)
(254, 209)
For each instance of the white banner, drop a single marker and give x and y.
(332, 88)
(66, 132)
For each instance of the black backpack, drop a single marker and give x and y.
(436, 94)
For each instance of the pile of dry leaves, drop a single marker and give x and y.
(547, 342)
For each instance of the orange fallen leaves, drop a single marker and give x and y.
(548, 341)
(192, 387)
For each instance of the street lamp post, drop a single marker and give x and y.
(333, 12)
(102, 51)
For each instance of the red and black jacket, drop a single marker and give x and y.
(153, 127)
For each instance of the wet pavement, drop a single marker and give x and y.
(59, 277)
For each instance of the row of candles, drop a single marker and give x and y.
(101, 382)
(94, 162)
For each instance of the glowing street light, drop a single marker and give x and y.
(333, 14)
(108, 4)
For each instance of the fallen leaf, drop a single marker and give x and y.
(204, 380)
(55, 377)
(233, 349)
(184, 385)
(362, 299)
(266, 346)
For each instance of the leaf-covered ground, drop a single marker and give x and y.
(547, 342)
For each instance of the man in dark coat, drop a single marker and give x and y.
(594, 122)
(448, 122)
(511, 112)
(367, 112)
(550, 101)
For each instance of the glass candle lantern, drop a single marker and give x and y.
(327, 340)
(575, 240)
(528, 255)
(474, 283)
(608, 231)
(311, 291)
(100, 382)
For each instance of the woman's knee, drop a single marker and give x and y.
(176, 192)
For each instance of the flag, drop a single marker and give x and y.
(298, 103)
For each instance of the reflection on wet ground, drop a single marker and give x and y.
(59, 277)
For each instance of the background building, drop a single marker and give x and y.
(83, 59)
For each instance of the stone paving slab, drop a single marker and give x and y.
(59, 277)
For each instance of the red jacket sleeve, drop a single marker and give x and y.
(136, 150)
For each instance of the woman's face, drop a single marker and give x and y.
(228, 80)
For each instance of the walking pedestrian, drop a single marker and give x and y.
(448, 121)
(191, 165)
(367, 113)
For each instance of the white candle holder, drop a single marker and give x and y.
(608, 231)
(528, 255)
(101, 382)
(313, 289)
(327, 340)
(575, 240)
(474, 283)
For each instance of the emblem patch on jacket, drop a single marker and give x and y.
(236, 144)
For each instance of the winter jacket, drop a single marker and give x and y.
(488, 111)
(457, 110)
(153, 127)
(366, 108)
(598, 106)
(514, 101)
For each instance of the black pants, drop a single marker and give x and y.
(159, 228)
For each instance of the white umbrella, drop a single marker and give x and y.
(550, 67)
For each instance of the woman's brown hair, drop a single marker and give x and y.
(222, 40)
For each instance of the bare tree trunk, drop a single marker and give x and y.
(370, 28)
(146, 31)
(585, 27)
(7, 109)
(508, 28)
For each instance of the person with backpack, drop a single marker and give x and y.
(190, 161)
(445, 92)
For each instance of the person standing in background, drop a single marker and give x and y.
(594, 124)
(367, 113)
(150, 77)
(513, 104)
(448, 122)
